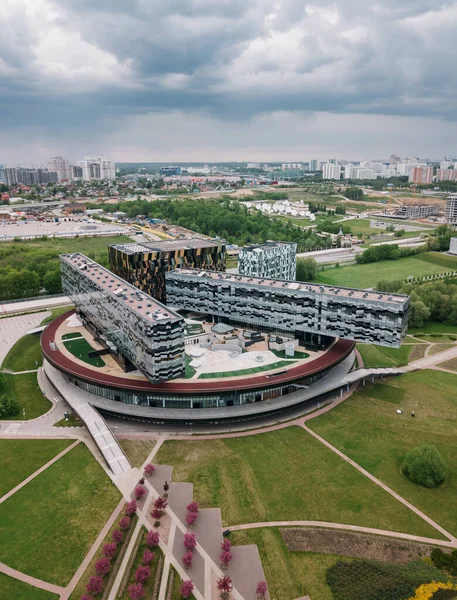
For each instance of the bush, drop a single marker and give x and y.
(102, 566)
(8, 406)
(152, 539)
(149, 469)
(190, 541)
(130, 508)
(142, 574)
(109, 550)
(117, 536)
(425, 466)
(124, 523)
(186, 589)
(95, 585)
(139, 492)
(187, 559)
(136, 591)
(148, 557)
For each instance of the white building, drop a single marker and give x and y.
(314, 164)
(365, 174)
(61, 166)
(350, 172)
(97, 168)
(289, 166)
(453, 246)
(331, 171)
(451, 209)
(253, 165)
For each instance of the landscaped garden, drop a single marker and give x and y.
(241, 372)
(368, 429)
(284, 475)
(383, 356)
(24, 355)
(49, 524)
(81, 348)
(25, 391)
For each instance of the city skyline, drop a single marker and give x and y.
(226, 80)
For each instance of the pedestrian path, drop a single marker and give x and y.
(38, 583)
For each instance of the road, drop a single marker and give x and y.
(29, 305)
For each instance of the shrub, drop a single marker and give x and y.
(261, 588)
(103, 566)
(156, 514)
(130, 508)
(152, 539)
(186, 589)
(136, 591)
(8, 406)
(124, 523)
(190, 541)
(149, 469)
(95, 585)
(148, 557)
(225, 557)
(226, 545)
(192, 507)
(187, 560)
(425, 466)
(139, 492)
(109, 550)
(160, 503)
(225, 586)
(142, 574)
(117, 536)
(86, 597)
(191, 518)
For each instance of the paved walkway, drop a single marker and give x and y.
(430, 361)
(38, 472)
(38, 583)
(12, 329)
(24, 305)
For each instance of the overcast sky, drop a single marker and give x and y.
(210, 80)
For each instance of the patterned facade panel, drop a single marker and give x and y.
(293, 307)
(275, 260)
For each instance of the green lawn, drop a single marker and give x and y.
(368, 276)
(21, 458)
(289, 574)
(24, 355)
(72, 336)
(284, 475)
(381, 356)
(49, 525)
(137, 451)
(240, 372)
(56, 312)
(27, 392)
(299, 354)
(433, 327)
(367, 428)
(13, 589)
(189, 371)
(80, 348)
(72, 421)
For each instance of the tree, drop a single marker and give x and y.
(52, 281)
(186, 589)
(117, 536)
(130, 508)
(103, 566)
(306, 269)
(142, 574)
(261, 589)
(187, 560)
(109, 550)
(226, 545)
(192, 507)
(160, 503)
(124, 523)
(148, 557)
(225, 586)
(191, 518)
(136, 591)
(156, 514)
(225, 557)
(139, 492)
(149, 469)
(95, 585)
(418, 313)
(425, 466)
(152, 539)
(190, 541)
(8, 406)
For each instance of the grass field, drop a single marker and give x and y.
(21, 458)
(24, 355)
(433, 327)
(80, 348)
(12, 589)
(289, 574)
(56, 312)
(380, 356)
(278, 476)
(451, 365)
(368, 276)
(49, 525)
(27, 392)
(367, 428)
(137, 450)
(276, 365)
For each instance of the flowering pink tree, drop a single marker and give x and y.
(261, 589)
(139, 492)
(160, 503)
(225, 558)
(130, 508)
(95, 585)
(149, 469)
(192, 507)
(186, 589)
(191, 518)
(142, 574)
(187, 560)
(148, 557)
(156, 514)
(103, 566)
(152, 539)
(226, 545)
(86, 597)
(117, 536)
(225, 586)
(109, 550)
(136, 591)
(124, 523)
(190, 541)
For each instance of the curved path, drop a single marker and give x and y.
(38, 583)
(343, 526)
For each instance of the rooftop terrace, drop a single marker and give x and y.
(294, 286)
(151, 310)
(182, 244)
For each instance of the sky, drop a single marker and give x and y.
(221, 80)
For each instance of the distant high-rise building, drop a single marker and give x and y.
(446, 175)
(62, 167)
(445, 164)
(314, 164)
(421, 175)
(331, 171)
(365, 174)
(451, 209)
(350, 172)
(169, 171)
(97, 168)
(274, 260)
(2, 174)
(76, 172)
(29, 176)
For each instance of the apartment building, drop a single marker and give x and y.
(274, 260)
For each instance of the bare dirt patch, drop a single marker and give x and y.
(353, 544)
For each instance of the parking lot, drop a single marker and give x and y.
(62, 228)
